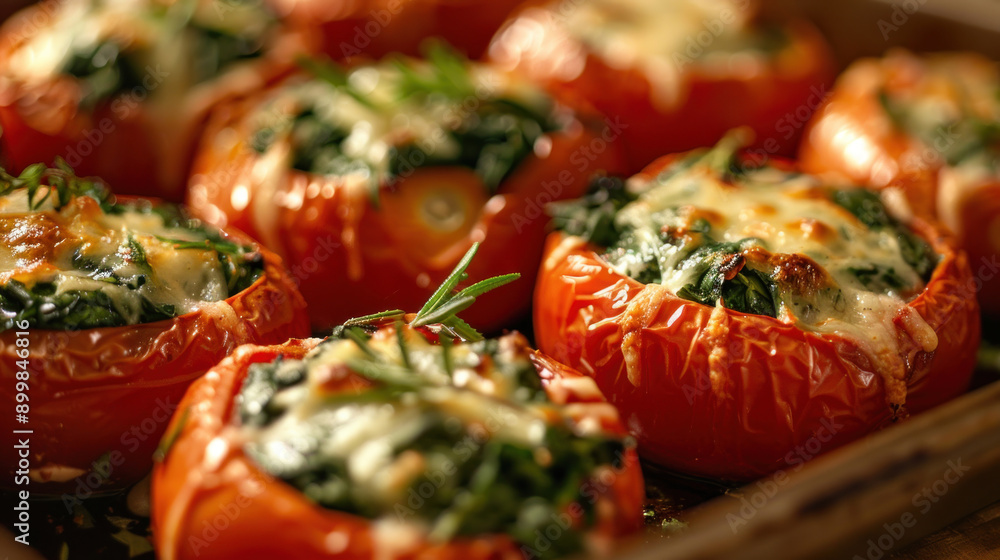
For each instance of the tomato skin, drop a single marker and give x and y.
(267, 518)
(536, 44)
(112, 390)
(740, 396)
(349, 258)
(885, 157)
(43, 120)
(375, 28)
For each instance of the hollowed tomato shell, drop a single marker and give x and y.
(100, 399)
(375, 28)
(852, 135)
(775, 98)
(349, 257)
(210, 501)
(136, 147)
(741, 396)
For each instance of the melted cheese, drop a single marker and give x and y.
(662, 37)
(40, 247)
(788, 217)
(481, 400)
(374, 129)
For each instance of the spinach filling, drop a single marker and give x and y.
(493, 134)
(718, 270)
(110, 68)
(44, 306)
(957, 140)
(467, 484)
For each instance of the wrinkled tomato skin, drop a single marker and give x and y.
(771, 100)
(119, 139)
(112, 390)
(747, 395)
(268, 518)
(884, 157)
(375, 28)
(348, 257)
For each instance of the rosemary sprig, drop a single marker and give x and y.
(443, 306)
(61, 181)
(441, 309)
(335, 75)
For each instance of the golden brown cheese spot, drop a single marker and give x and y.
(30, 239)
(814, 229)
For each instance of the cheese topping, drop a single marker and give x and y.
(91, 263)
(88, 36)
(380, 122)
(951, 106)
(364, 424)
(765, 242)
(662, 38)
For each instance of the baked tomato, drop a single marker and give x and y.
(371, 183)
(746, 319)
(376, 28)
(121, 90)
(108, 310)
(673, 75)
(926, 129)
(389, 440)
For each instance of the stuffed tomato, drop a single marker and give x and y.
(121, 89)
(746, 319)
(372, 182)
(108, 310)
(376, 28)
(402, 443)
(926, 129)
(672, 75)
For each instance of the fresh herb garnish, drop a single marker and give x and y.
(479, 129)
(124, 288)
(496, 483)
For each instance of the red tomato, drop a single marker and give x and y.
(854, 136)
(376, 28)
(137, 146)
(741, 396)
(100, 399)
(207, 476)
(349, 257)
(770, 94)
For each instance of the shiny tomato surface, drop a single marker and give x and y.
(736, 396)
(140, 141)
(376, 28)
(207, 476)
(854, 135)
(349, 257)
(774, 94)
(100, 399)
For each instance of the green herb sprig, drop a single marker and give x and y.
(63, 186)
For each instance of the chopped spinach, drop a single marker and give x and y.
(493, 134)
(869, 209)
(494, 486)
(592, 217)
(721, 274)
